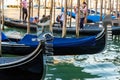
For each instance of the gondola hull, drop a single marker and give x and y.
(16, 49)
(29, 67)
(90, 29)
(87, 30)
(97, 48)
(19, 24)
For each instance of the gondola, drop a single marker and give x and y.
(9, 22)
(84, 45)
(89, 29)
(19, 46)
(19, 24)
(27, 67)
(90, 18)
(31, 66)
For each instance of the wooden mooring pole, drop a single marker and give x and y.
(78, 18)
(39, 3)
(20, 17)
(96, 4)
(45, 8)
(51, 10)
(2, 15)
(65, 20)
(28, 25)
(71, 11)
(101, 9)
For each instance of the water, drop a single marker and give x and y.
(102, 66)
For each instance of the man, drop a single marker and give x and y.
(36, 20)
(60, 18)
(83, 12)
(24, 10)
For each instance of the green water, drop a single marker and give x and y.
(102, 66)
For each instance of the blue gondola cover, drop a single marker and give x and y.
(93, 17)
(4, 37)
(74, 42)
(29, 40)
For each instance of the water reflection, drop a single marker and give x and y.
(102, 66)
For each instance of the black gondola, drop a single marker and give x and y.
(28, 67)
(84, 45)
(89, 29)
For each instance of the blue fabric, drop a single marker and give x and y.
(94, 18)
(28, 40)
(31, 19)
(92, 11)
(4, 37)
(74, 42)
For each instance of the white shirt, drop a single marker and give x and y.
(62, 17)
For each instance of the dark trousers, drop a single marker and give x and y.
(61, 23)
(81, 22)
(24, 14)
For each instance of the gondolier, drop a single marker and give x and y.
(24, 10)
(83, 12)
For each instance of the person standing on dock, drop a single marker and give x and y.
(83, 12)
(24, 10)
